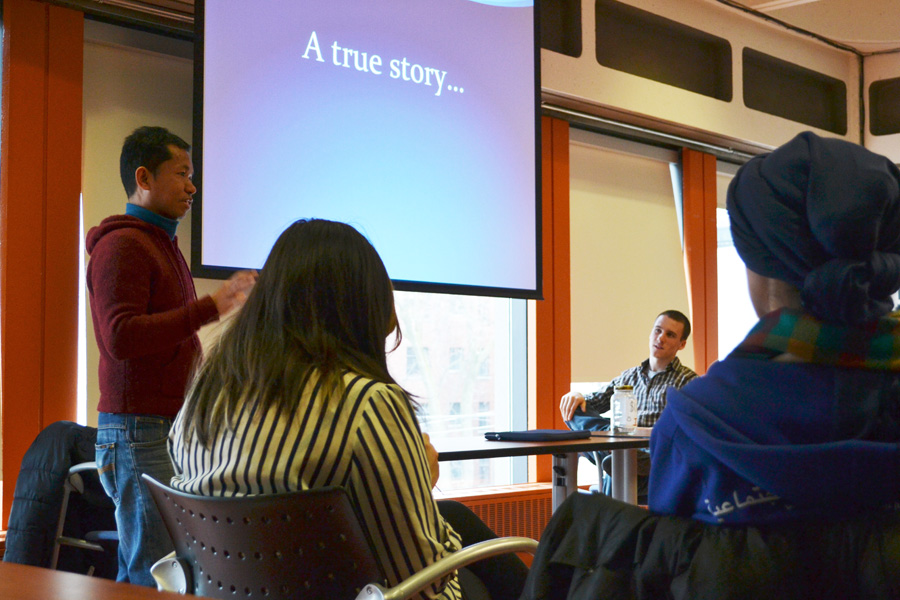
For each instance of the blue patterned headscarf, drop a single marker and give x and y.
(823, 215)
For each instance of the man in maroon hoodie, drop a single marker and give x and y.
(146, 315)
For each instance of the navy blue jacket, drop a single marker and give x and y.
(759, 441)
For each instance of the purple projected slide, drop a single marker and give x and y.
(413, 120)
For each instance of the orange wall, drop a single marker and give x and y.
(699, 187)
(553, 337)
(40, 183)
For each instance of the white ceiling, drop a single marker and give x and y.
(865, 25)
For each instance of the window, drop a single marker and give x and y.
(484, 416)
(884, 106)
(415, 358)
(561, 26)
(456, 357)
(484, 367)
(736, 314)
(484, 471)
(778, 87)
(447, 340)
(647, 45)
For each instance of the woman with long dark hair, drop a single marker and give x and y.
(296, 394)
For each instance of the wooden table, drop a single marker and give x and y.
(21, 582)
(565, 458)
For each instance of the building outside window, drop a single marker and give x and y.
(456, 358)
(416, 357)
(484, 416)
(464, 360)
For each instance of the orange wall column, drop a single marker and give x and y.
(40, 183)
(699, 187)
(553, 313)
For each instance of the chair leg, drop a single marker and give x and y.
(68, 487)
(75, 483)
(600, 473)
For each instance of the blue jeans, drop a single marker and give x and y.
(127, 446)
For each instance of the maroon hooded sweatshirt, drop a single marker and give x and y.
(146, 315)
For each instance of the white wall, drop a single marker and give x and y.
(584, 79)
(126, 87)
(626, 258)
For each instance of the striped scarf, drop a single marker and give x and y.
(874, 345)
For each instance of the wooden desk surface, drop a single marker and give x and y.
(467, 448)
(21, 582)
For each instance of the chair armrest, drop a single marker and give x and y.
(74, 480)
(85, 466)
(468, 555)
(172, 574)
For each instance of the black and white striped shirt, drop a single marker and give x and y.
(367, 441)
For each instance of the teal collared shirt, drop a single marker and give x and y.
(168, 225)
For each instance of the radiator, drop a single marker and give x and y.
(521, 509)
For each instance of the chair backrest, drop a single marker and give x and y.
(301, 544)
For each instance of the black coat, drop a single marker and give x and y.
(596, 547)
(38, 498)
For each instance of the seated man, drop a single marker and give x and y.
(650, 380)
(793, 440)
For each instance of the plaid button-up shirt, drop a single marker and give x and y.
(650, 392)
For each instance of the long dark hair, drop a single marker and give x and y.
(323, 304)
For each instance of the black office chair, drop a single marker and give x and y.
(296, 545)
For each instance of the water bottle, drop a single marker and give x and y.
(624, 409)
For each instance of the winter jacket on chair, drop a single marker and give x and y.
(596, 547)
(38, 498)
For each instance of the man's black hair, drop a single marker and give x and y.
(146, 147)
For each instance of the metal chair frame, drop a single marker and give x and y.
(91, 541)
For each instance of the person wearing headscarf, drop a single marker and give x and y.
(802, 419)
(775, 475)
